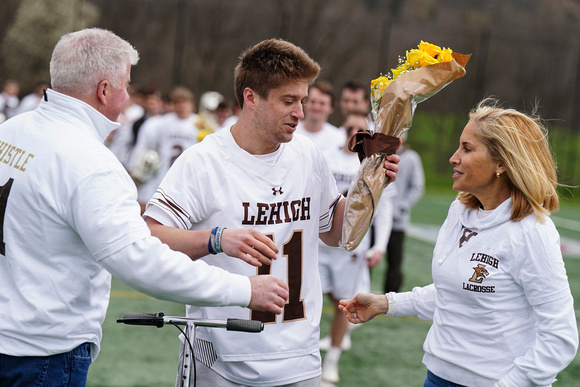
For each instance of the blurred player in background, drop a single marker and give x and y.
(160, 142)
(318, 107)
(342, 273)
(410, 186)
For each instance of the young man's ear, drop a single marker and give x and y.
(249, 98)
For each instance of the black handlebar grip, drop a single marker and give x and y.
(153, 319)
(235, 324)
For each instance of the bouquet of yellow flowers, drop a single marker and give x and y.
(422, 73)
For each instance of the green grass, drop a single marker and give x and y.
(385, 352)
(136, 355)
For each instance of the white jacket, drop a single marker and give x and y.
(70, 216)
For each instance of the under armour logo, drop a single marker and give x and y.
(467, 234)
(277, 191)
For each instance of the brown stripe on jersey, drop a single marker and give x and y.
(325, 219)
(178, 212)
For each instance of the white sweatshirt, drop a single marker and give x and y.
(500, 303)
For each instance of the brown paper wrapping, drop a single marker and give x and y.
(394, 117)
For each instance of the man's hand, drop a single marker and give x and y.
(364, 307)
(269, 294)
(391, 166)
(249, 245)
(373, 257)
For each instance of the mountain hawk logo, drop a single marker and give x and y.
(466, 236)
(480, 272)
(277, 191)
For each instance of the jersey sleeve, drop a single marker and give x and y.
(184, 195)
(330, 197)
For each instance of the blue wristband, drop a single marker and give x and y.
(211, 244)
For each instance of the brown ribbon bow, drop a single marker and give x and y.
(366, 144)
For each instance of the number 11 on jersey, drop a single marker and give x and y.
(294, 308)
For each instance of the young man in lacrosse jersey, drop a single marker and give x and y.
(258, 175)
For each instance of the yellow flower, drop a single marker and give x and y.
(380, 80)
(398, 71)
(429, 48)
(425, 55)
(445, 55)
(417, 58)
(378, 86)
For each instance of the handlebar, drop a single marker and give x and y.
(159, 320)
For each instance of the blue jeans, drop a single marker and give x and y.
(435, 381)
(63, 370)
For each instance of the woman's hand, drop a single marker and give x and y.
(364, 307)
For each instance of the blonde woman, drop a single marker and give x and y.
(501, 306)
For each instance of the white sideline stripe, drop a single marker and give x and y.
(423, 232)
(428, 233)
(568, 224)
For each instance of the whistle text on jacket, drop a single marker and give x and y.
(13, 156)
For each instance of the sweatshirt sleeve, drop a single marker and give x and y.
(555, 346)
(153, 269)
(419, 302)
(106, 216)
(541, 273)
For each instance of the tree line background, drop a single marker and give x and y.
(525, 52)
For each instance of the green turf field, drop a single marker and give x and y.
(385, 352)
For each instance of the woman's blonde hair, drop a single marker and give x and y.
(520, 143)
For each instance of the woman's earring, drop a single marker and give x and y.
(497, 174)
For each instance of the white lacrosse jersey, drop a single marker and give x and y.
(169, 136)
(328, 138)
(292, 200)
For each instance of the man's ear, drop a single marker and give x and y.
(249, 98)
(103, 90)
